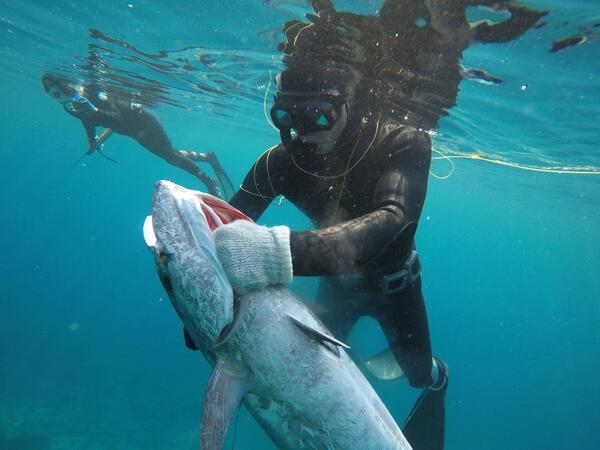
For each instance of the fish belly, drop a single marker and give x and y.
(304, 394)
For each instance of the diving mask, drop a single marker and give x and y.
(307, 113)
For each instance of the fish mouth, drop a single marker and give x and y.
(190, 204)
(162, 190)
(165, 186)
(179, 235)
(168, 198)
(173, 204)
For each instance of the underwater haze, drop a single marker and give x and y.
(92, 354)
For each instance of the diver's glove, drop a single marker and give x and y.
(254, 256)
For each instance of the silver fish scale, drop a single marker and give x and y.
(302, 394)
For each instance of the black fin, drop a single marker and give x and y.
(384, 366)
(328, 341)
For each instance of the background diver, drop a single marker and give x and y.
(95, 107)
(352, 107)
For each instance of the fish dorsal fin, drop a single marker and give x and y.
(328, 341)
(384, 366)
(223, 396)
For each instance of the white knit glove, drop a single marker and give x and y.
(254, 256)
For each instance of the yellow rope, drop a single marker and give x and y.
(310, 25)
(442, 156)
(588, 170)
(269, 173)
(348, 170)
(255, 194)
(258, 193)
(265, 103)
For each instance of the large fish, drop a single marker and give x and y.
(267, 348)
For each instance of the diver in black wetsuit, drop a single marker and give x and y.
(95, 108)
(362, 180)
(355, 159)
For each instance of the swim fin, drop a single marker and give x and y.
(425, 426)
(224, 180)
(384, 366)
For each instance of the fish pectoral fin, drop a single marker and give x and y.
(384, 366)
(328, 341)
(222, 399)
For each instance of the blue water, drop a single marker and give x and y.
(91, 351)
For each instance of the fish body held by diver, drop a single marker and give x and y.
(268, 349)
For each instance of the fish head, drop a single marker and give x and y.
(180, 235)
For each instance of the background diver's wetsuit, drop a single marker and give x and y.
(131, 119)
(366, 219)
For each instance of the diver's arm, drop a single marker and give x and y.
(256, 192)
(90, 131)
(399, 197)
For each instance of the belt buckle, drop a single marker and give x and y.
(388, 282)
(397, 281)
(413, 267)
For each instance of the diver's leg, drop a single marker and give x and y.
(211, 158)
(425, 426)
(149, 132)
(224, 180)
(175, 159)
(335, 308)
(404, 321)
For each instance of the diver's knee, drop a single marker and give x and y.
(171, 157)
(439, 374)
(433, 376)
(421, 382)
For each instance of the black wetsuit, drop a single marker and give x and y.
(365, 200)
(131, 119)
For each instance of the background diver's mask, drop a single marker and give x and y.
(80, 104)
(306, 112)
(72, 100)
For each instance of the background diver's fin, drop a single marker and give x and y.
(328, 341)
(223, 180)
(222, 399)
(99, 141)
(384, 366)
